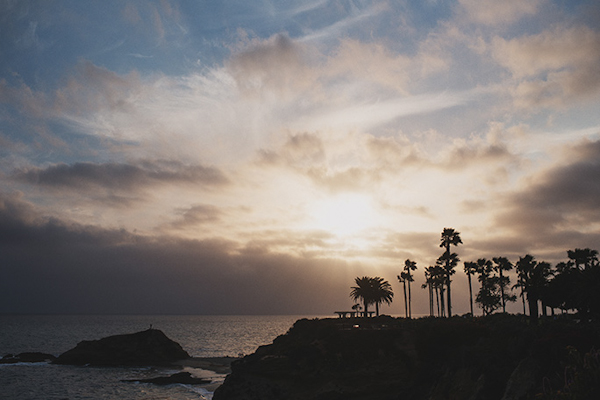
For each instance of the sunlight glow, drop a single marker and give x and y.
(343, 215)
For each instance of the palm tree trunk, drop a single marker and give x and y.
(437, 300)
(470, 294)
(442, 301)
(366, 309)
(448, 279)
(502, 290)
(523, 300)
(430, 299)
(405, 303)
(409, 301)
(449, 300)
(533, 307)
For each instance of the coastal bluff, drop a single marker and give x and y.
(149, 347)
(500, 357)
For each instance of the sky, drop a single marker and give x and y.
(236, 157)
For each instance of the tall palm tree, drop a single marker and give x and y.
(470, 268)
(439, 281)
(541, 276)
(429, 285)
(534, 277)
(521, 285)
(372, 291)
(447, 262)
(402, 278)
(450, 237)
(409, 266)
(502, 264)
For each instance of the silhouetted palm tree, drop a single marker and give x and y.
(402, 278)
(447, 262)
(470, 268)
(409, 266)
(586, 257)
(429, 285)
(449, 237)
(524, 268)
(534, 277)
(575, 283)
(541, 276)
(363, 290)
(383, 292)
(439, 281)
(372, 291)
(521, 285)
(503, 264)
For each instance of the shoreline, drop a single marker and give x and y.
(220, 365)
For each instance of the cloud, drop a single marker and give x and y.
(84, 175)
(199, 214)
(277, 64)
(486, 152)
(55, 267)
(372, 62)
(315, 156)
(552, 68)
(393, 152)
(354, 18)
(558, 201)
(93, 89)
(490, 12)
(119, 185)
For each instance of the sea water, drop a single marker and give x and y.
(200, 336)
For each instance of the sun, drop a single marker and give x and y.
(343, 215)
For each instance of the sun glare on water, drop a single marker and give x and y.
(343, 215)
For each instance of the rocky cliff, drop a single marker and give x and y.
(499, 357)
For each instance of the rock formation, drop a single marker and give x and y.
(500, 356)
(27, 358)
(149, 347)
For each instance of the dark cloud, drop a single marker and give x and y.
(51, 266)
(558, 202)
(85, 175)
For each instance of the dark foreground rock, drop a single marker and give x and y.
(27, 358)
(149, 347)
(499, 357)
(181, 377)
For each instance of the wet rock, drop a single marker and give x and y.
(184, 378)
(149, 347)
(29, 357)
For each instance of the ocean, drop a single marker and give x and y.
(200, 336)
